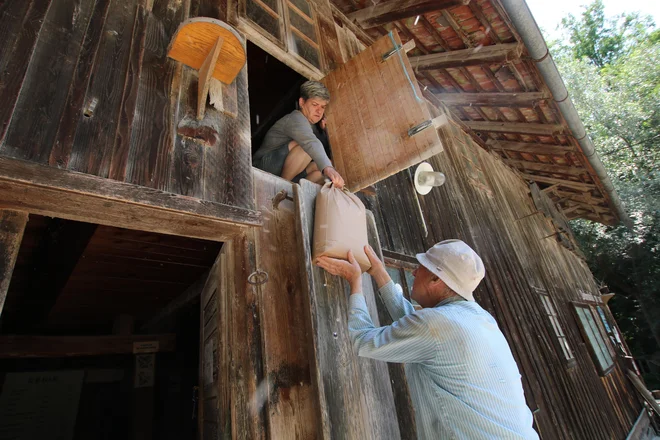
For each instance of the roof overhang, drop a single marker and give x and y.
(488, 63)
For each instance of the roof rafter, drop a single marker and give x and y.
(524, 165)
(473, 56)
(516, 127)
(392, 10)
(516, 99)
(531, 148)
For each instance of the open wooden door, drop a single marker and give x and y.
(378, 120)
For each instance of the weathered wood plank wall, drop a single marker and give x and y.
(12, 226)
(485, 203)
(87, 86)
(356, 394)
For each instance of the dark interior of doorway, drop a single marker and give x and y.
(76, 279)
(274, 90)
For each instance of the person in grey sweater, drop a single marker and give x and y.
(292, 148)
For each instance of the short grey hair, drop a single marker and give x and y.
(314, 89)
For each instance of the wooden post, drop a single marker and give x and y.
(12, 225)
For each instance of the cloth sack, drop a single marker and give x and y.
(340, 225)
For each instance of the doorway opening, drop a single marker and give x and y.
(100, 333)
(274, 91)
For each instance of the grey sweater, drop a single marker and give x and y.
(296, 127)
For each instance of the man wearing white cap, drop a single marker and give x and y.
(463, 379)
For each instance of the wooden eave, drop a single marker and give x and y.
(469, 57)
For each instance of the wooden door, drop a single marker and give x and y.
(374, 105)
(210, 354)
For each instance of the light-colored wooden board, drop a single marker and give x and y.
(373, 105)
(196, 37)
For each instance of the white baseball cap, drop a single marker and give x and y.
(455, 263)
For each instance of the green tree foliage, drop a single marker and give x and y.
(611, 67)
(603, 40)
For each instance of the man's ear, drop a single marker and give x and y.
(436, 281)
(301, 101)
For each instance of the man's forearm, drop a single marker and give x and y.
(381, 277)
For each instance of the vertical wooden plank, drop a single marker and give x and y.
(247, 381)
(95, 134)
(61, 149)
(228, 164)
(39, 107)
(194, 137)
(304, 226)
(117, 167)
(329, 41)
(152, 132)
(292, 400)
(338, 373)
(356, 398)
(405, 412)
(212, 157)
(20, 24)
(377, 392)
(12, 225)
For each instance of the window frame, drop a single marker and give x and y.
(404, 264)
(552, 320)
(599, 331)
(295, 61)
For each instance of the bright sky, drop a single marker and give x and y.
(548, 13)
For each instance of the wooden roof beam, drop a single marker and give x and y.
(531, 148)
(584, 197)
(524, 165)
(595, 208)
(562, 182)
(516, 99)
(19, 346)
(393, 10)
(516, 127)
(474, 56)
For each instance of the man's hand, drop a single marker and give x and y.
(349, 270)
(377, 268)
(333, 175)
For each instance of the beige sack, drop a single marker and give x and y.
(340, 225)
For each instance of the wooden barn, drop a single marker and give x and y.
(153, 284)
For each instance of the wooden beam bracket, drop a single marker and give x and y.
(407, 47)
(205, 76)
(436, 123)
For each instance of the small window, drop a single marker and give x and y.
(395, 274)
(551, 312)
(401, 277)
(593, 334)
(612, 330)
(400, 268)
(290, 24)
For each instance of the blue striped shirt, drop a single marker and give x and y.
(463, 379)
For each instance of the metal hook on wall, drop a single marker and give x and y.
(258, 277)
